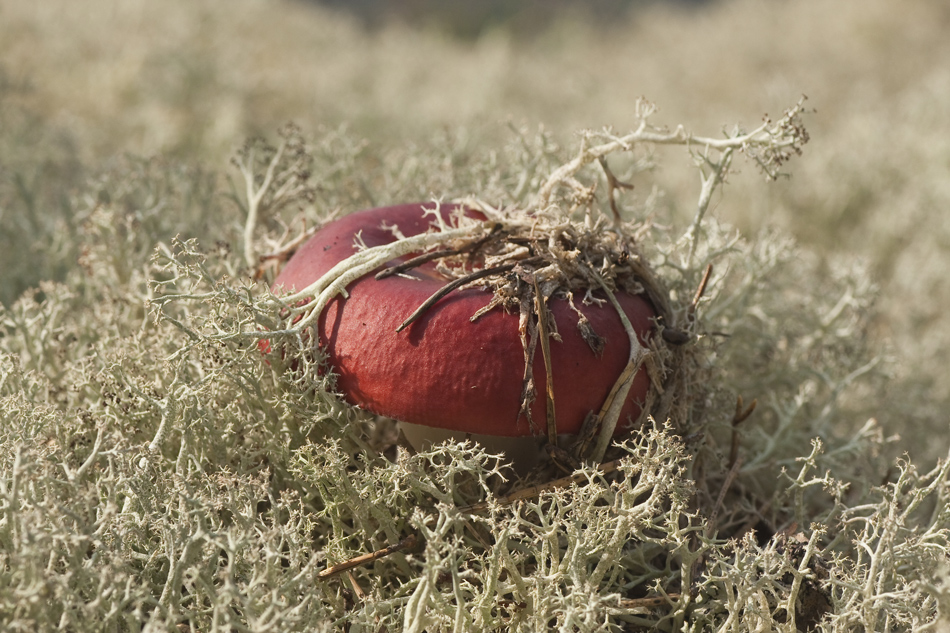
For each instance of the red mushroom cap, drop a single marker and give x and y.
(443, 370)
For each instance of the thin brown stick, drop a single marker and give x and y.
(359, 590)
(461, 281)
(700, 291)
(415, 262)
(741, 415)
(528, 333)
(534, 491)
(407, 543)
(730, 477)
(612, 185)
(428, 257)
(585, 436)
(542, 310)
(652, 601)
(562, 459)
(356, 586)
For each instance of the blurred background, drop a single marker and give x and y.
(82, 83)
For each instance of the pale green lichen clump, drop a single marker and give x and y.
(157, 474)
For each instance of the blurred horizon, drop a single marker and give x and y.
(469, 20)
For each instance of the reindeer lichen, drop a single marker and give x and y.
(160, 472)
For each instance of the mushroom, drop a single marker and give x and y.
(445, 374)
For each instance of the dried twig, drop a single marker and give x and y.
(700, 291)
(457, 283)
(407, 543)
(541, 307)
(532, 492)
(612, 185)
(417, 261)
(711, 524)
(335, 280)
(433, 255)
(741, 415)
(649, 602)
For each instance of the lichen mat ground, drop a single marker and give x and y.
(158, 473)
